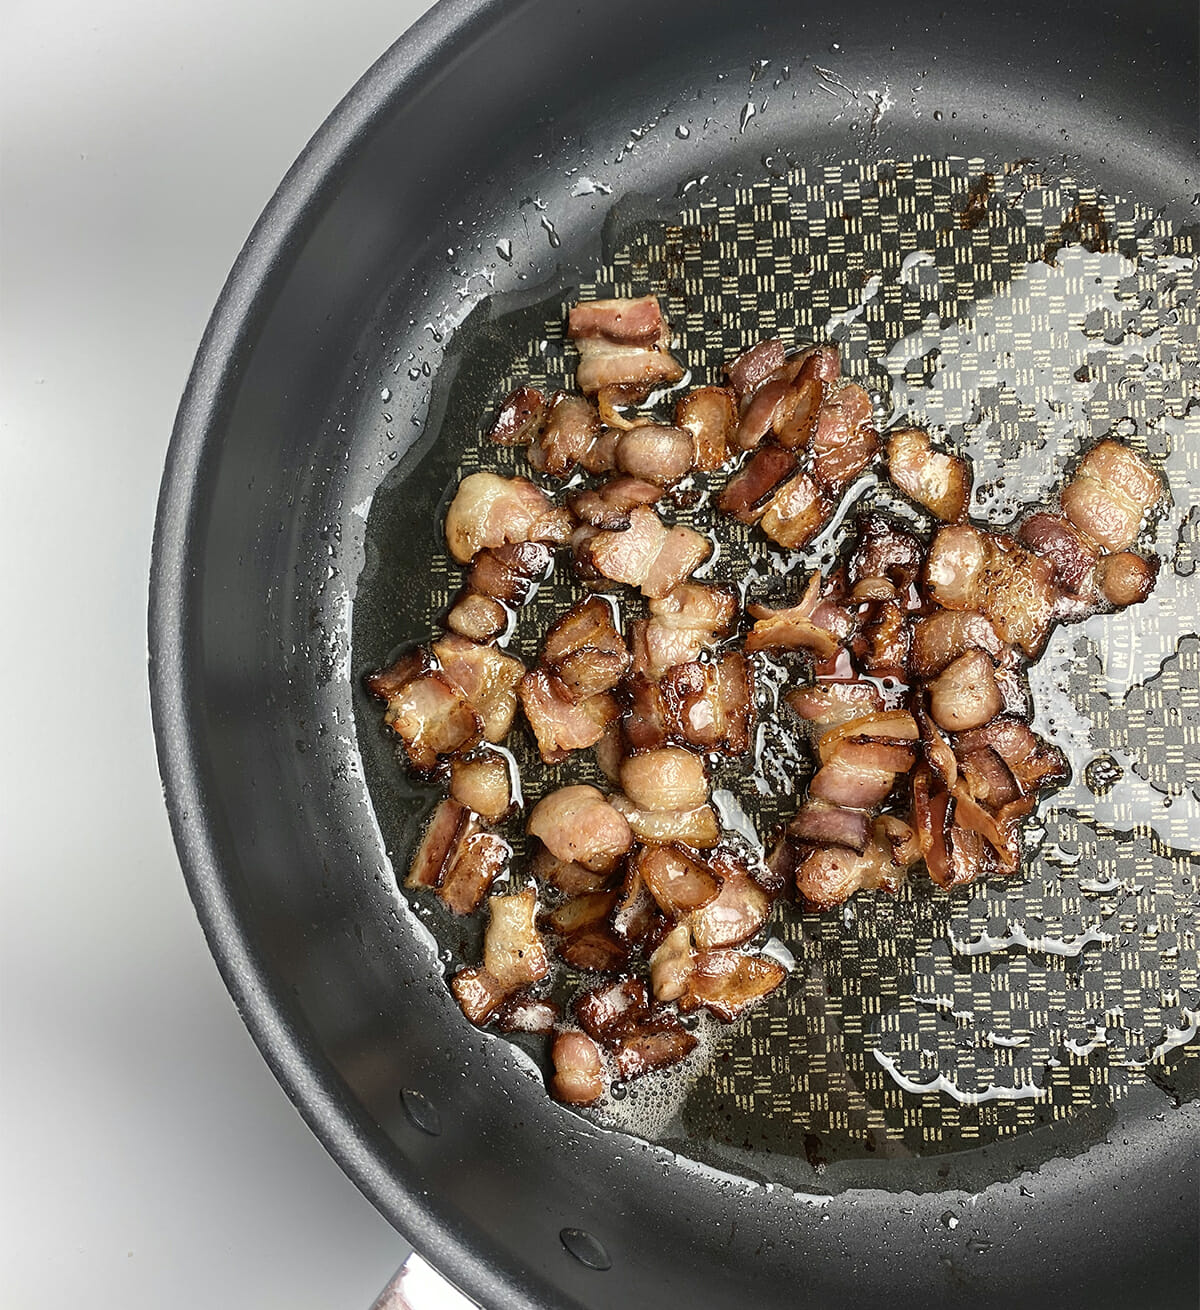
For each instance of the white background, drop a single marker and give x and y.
(150, 1160)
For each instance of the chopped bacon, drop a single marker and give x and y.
(827, 704)
(728, 983)
(1126, 579)
(487, 679)
(513, 951)
(710, 415)
(666, 779)
(608, 506)
(965, 694)
(759, 413)
(708, 706)
(488, 511)
(881, 645)
(578, 1069)
(1070, 554)
(747, 492)
(655, 453)
(654, 1044)
(449, 824)
(696, 827)
(671, 964)
(737, 912)
(686, 621)
(477, 618)
(796, 513)
(883, 549)
(622, 343)
(581, 912)
(753, 367)
(636, 917)
(1033, 762)
(817, 823)
(482, 783)
(1111, 493)
(519, 418)
(610, 751)
(385, 683)
(510, 573)
(559, 722)
(579, 824)
(845, 440)
(478, 861)
(585, 651)
(896, 727)
(567, 875)
(432, 717)
(988, 778)
(792, 628)
(478, 993)
(594, 948)
(527, 1014)
(568, 430)
(603, 1011)
(830, 875)
(677, 880)
(646, 554)
(945, 635)
(939, 482)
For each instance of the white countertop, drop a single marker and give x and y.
(150, 1159)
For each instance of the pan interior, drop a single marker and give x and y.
(1019, 315)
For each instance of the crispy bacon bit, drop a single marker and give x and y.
(845, 440)
(477, 618)
(585, 651)
(666, 779)
(520, 417)
(965, 695)
(792, 628)
(1111, 493)
(578, 824)
(1069, 553)
(1126, 579)
(513, 952)
(654, 1044)
(939, 482)
(603, 1011)
(489, 511)
(570, 427)
(883, 549)
(728, 983)
(478, 993)
(450, 823)
(830, 875)
(432, 717)
(478, 861)
(510, 573)
(739, 910)
(655, 453)
(560, 724)
(707, 706)
(710, 415)
(622, 343)
(482, 783)
(753, 367)
(487, 679)
(385, 683)
(527, 1014)
(796, 513)
(678, 881)
(1033, 762)
(578, 1069)
(609, 506)
(747, 493)
(696, 827)
(646, 554)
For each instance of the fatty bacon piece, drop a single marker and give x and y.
(610, 505)
(939, 482)
(561, 723)
(458, 858)
(498, 578)
(707, 706)
(482, 783)
(488, 679)
(579, 825)
(646, 554)
(514, 956)
(489, 511)
(710, 414)
(816, 624)
(426, 710)
(827, 876)
(1110, 495)
(624, 347)
(690, 619)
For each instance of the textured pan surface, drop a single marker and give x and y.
(452, 143)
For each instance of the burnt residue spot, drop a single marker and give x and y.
(1086, 226)
(814, 1151)
(976, 208)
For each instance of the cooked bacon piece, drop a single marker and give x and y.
(845, 440)
(432, 717)
(510, 573)
(566, 875)
(585, 651)
(747, 492)
(883, 549)
(671, 964)
(449, 824)
(603, 1011)
(965, 694)
(656, 1043)
(581, 912)
(855, 782)
(489, 511)
(792, 628)
(829, 876)
(478, 861)
(609, 505)
(478, 993)
(646, 554)
(578, 1069)
(753, 367)
(682, 553)
(708, 706)
(988, 778)
(881, 645)
(656, 453)
(487, 678)
(827, 704)
(686, 621)
(942, 637)
(728, 983)
(1111, 493)
(955, 855)
(513, 952)
(739, 910)
(939, 482)
(636, 918)
(710, 415)
(759, 412)
(568, 430)
(527, 1014)
(796, 513)
(678, 881)
(818, 823)
(666, 779)
(385, 683)
(520, 417)
(967, 569)
(1126, 579)
(622, 343)
(795, 417)
(696, 827)
(577, 823)
(477, 618)
(1069, 553)
(595, 948)
(482, 783)
(889, 727)
(559, 723)
(645, 723)
(610, 751)
(1034, 763)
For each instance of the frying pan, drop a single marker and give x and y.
(430, 231)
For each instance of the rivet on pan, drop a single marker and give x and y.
(422, 1111)
(584, 1247)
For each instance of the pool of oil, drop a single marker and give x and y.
(1018, 317)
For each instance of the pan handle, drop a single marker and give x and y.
(418, 1286)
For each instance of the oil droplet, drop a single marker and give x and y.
(937, 115)
(683, 132)
(504, 249)
(1102, 774)
(748, 112)
(949, 1219)
(386, 394)
(551, 233)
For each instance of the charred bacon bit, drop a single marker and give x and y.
(477, 993)
(1126, 579)
(477, 618)
(678, 881)
(1111, 493)
(585, 651)
(883, 549)
(845, 440)
(432, 717)
(477, 863)
(753, 367)
(602, 1011)
(489, 511)
(486, 677)
(578, 1069)
(939, 482)
(450, 823)
(579, 824)
(482, 783)
(513, 951)
(655, 453)
(510, 573)
(666, 779)
(520, 417)
(1069, 553)
(654, 1044)
(385, 683)
(747, 493)
(942, 637)
(671, 964)
(965, 694)
(796, 513)
(739, 910)
(609, 506)
(527, 1014)
(728, 983)
(818, 823)
(560, 723)
(881, 645)
(696, 827)
(570, 427)
(988, 778)
(828, 704)
(567, 875)
(622, 343)
(710, 415)
(646, 554)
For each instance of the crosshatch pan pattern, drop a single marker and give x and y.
(1019, 318)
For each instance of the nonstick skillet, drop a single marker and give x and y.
(498, 159)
